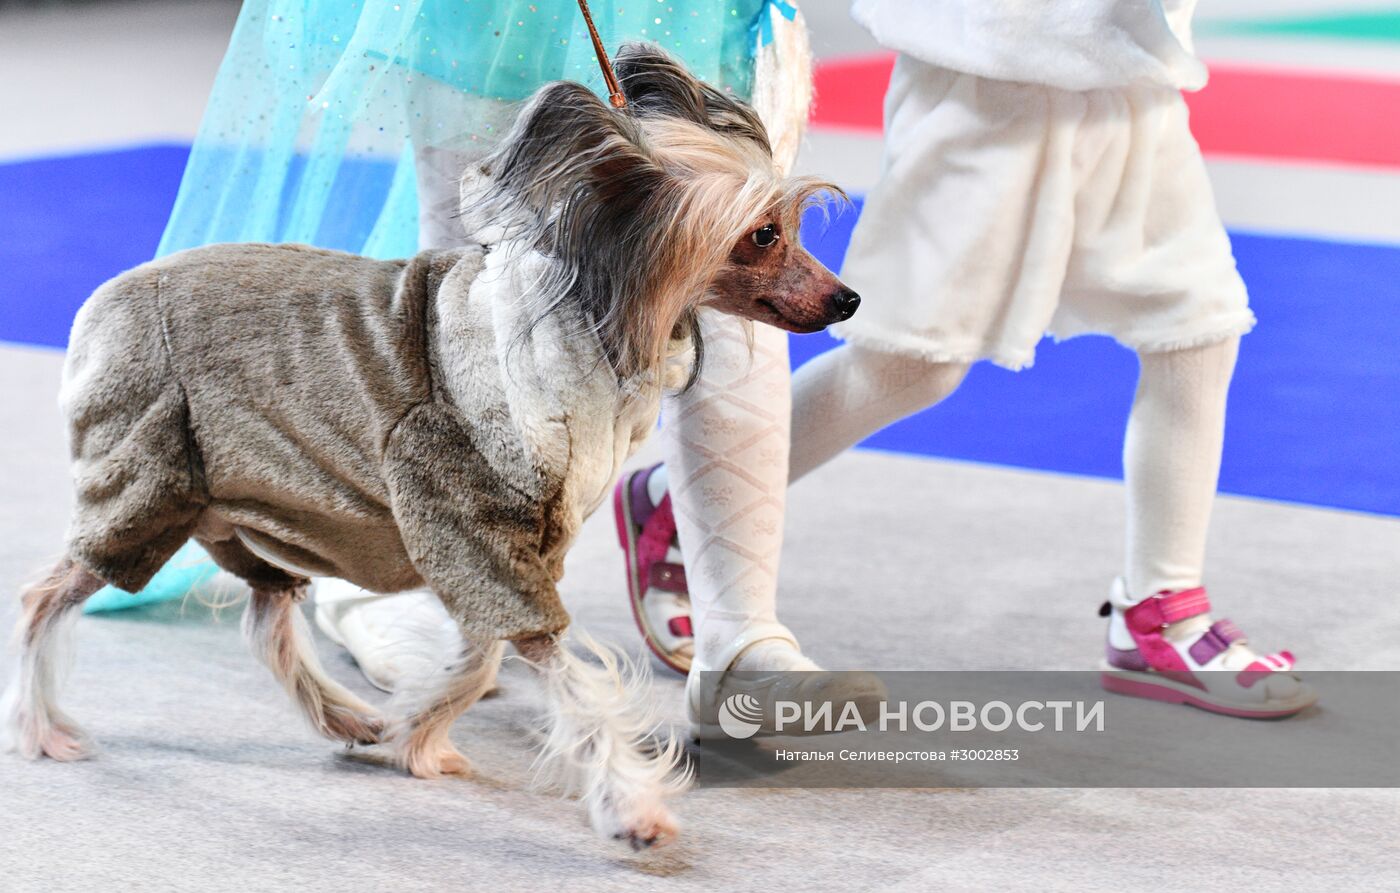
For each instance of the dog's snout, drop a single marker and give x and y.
(845, 302)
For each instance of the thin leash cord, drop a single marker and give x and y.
(614, 88)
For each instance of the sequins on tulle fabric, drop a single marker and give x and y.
(323, 111)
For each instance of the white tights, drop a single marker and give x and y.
(1171, 464)
(1171, 451)
(845, 395)
(726, 449)
(729, 461)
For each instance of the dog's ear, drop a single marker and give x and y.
(564, 140)
(655, 84)
(575, 180)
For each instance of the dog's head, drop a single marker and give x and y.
(654, 210)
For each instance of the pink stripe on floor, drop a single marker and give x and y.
(1244, 111)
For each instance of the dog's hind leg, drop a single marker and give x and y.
(278, 634)
(33, 724)
(420, 738)
(598, 741)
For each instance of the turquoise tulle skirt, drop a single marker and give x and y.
(321, 108)
(324, 110)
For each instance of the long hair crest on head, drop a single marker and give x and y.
(636, 208)
(656, 85)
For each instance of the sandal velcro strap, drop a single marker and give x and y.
(1227, 630)
(658, 532)
(1277, 662)
(680, 627)
(668, 577)
(1221, 635)
(1167, 608)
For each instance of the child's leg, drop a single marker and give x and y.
(439, 205)
(1171, 463)
(845, 395)
(728, 459)
(727, 463)
(726, 447)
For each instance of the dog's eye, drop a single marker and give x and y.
(765, 236)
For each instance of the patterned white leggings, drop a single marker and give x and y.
(733, 441)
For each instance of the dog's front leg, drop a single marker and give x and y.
(425, 711)
(598, 740)
(475, 537)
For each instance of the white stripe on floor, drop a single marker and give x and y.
(1308, 199)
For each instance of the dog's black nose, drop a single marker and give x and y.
(845, 302)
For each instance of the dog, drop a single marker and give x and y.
(448, 420)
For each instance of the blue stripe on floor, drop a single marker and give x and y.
(68, 224)
(1314, 414)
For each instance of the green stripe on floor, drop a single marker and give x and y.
(1382, 26)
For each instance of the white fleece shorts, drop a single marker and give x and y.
(1006, 211)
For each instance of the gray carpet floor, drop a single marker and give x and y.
(208, 781)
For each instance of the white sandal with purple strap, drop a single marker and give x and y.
(1167, 649)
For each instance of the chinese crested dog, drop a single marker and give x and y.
(448, 420)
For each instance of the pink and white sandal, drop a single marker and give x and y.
(656, 584)
(1167, 649)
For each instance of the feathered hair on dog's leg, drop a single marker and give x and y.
(636, 208)
(427, 707)
(278, 635)
(601, 740)
(33, 724)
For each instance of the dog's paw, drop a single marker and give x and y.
(50, 737)
(65, 747)
(440, 761)
(648, 837)
(353, 726)
(61, 742)
(641, 827)
(453, 763)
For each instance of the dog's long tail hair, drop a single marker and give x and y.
(637, 208)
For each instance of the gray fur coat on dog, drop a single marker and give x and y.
(312, 412)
